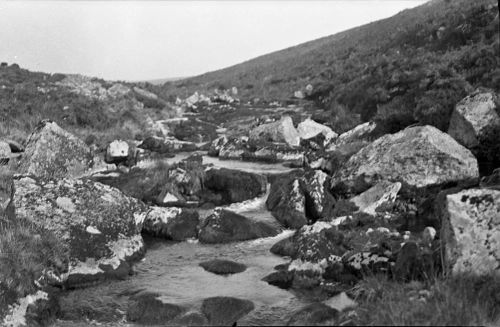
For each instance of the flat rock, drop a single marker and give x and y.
(223, 267)
(149, 309)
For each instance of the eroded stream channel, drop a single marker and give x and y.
(172, 270)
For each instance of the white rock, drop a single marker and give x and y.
(340, 302)
(473, 118)
(471, 232)
(382, 193)
(428, 234)
(309, 128)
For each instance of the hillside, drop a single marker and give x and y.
(410, 68)
(96, 110)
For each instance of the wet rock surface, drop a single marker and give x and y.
(149, 309)
(224, 226)
(225, 311)
(223, 267)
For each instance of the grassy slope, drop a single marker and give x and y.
(401, 69)
(27, 97)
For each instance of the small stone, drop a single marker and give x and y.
(428, 234)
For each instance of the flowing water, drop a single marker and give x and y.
(172, 268)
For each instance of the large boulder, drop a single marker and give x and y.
(474, 118)
(176, 224)
(309, 129)
(224, 226)
(225, 311)
(235, 185)
(98, 225)
(281, 131)
(420, 157)
(51, 152)
(470, 232)
(298, 198)
(287, 202)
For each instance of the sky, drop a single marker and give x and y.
(132, 40)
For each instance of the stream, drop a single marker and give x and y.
(172, 268)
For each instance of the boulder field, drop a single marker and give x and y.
(411, 205)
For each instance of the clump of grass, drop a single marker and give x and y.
(464, 300)
(26, 252)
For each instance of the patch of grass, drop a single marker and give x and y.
(26, 252)
(461, 301)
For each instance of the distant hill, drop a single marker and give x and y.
(161, 81)
(410, 68)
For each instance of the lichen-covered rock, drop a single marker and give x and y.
(225, 311)
(149, 309)
(52, 153)
(474, 117)
(217, 145)
(224, 226)
(99, 225)
(470, 232)
(281, 131)
(287, 202)
(176, 224)
(319, 201)
(370, 200)
(418, 156)
(298, 198)
(319, 241)
(38, 309)
(234, 185)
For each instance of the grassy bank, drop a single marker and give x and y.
(26, 252)
(457, 301)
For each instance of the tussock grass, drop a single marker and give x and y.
(463, 300)
(26, 252)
